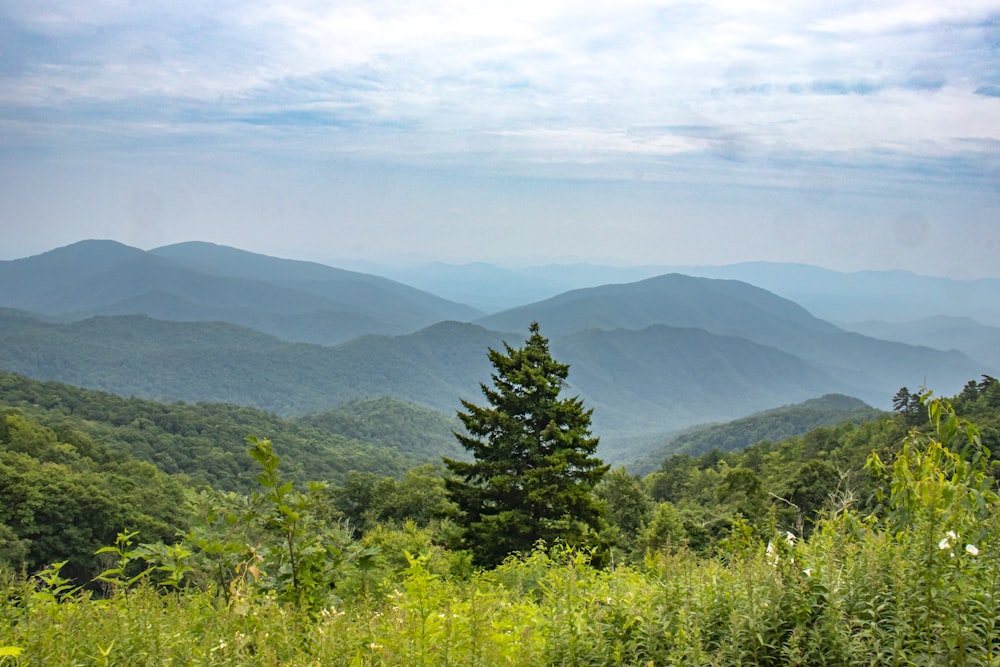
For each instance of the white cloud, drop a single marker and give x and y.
(635, 87)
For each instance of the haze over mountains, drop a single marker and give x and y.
(294, 300)
(894, 296)
(200, 322)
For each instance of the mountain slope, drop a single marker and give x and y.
(390, 422)
(381, 298)
(832, 295)
(725, 307)
(775, 425)
(866, 367)
(965, 334)
(660, 378)
(867, 295)
(297, 301)
(206, 441)
(652, 380)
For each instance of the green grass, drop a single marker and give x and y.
(915, 583)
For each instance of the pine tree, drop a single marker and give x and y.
(534, 469)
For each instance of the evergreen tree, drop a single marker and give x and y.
(534, 469)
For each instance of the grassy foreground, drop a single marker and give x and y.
(917, 583)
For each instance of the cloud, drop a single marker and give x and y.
(586, 82)
(840, 87)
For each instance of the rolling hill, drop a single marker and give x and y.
(652, 380)
(206, 441)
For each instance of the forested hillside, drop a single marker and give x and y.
(776, 424)
(649, 381)
(206, 441)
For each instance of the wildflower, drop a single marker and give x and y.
(971, 550)
(772, 554)
(946, 541)
(790, 538)
(808, 572)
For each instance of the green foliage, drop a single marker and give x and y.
(627, 507)
(368, 501)
(788, 485)
(204, 441)
(62, 496)
(534, 468)
(306, 550)
(279, 540)
(389, 422)
(120, 577)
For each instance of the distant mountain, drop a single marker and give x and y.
(979, 342)
(726, 307)
(832, 295)
(298, 301)
(218, 361)
(865, 367)
(661, 378)
(493, 288)
(867, 295)
(651, 380)
(774, 425)
(650, 356)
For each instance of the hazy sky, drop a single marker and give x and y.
(847, 134)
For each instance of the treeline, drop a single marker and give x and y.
(792, 483)
(206, 441)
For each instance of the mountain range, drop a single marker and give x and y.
(200, 322)
(891, 296)
(294, 300)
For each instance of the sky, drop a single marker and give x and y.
(851, 135)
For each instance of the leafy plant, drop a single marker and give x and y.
(122, 575)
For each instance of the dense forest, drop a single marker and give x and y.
(167, 534)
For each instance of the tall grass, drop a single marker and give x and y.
(916, 585)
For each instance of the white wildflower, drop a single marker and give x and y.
(790, 538)
(949, 538)
(808, 572)
(971, 549)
